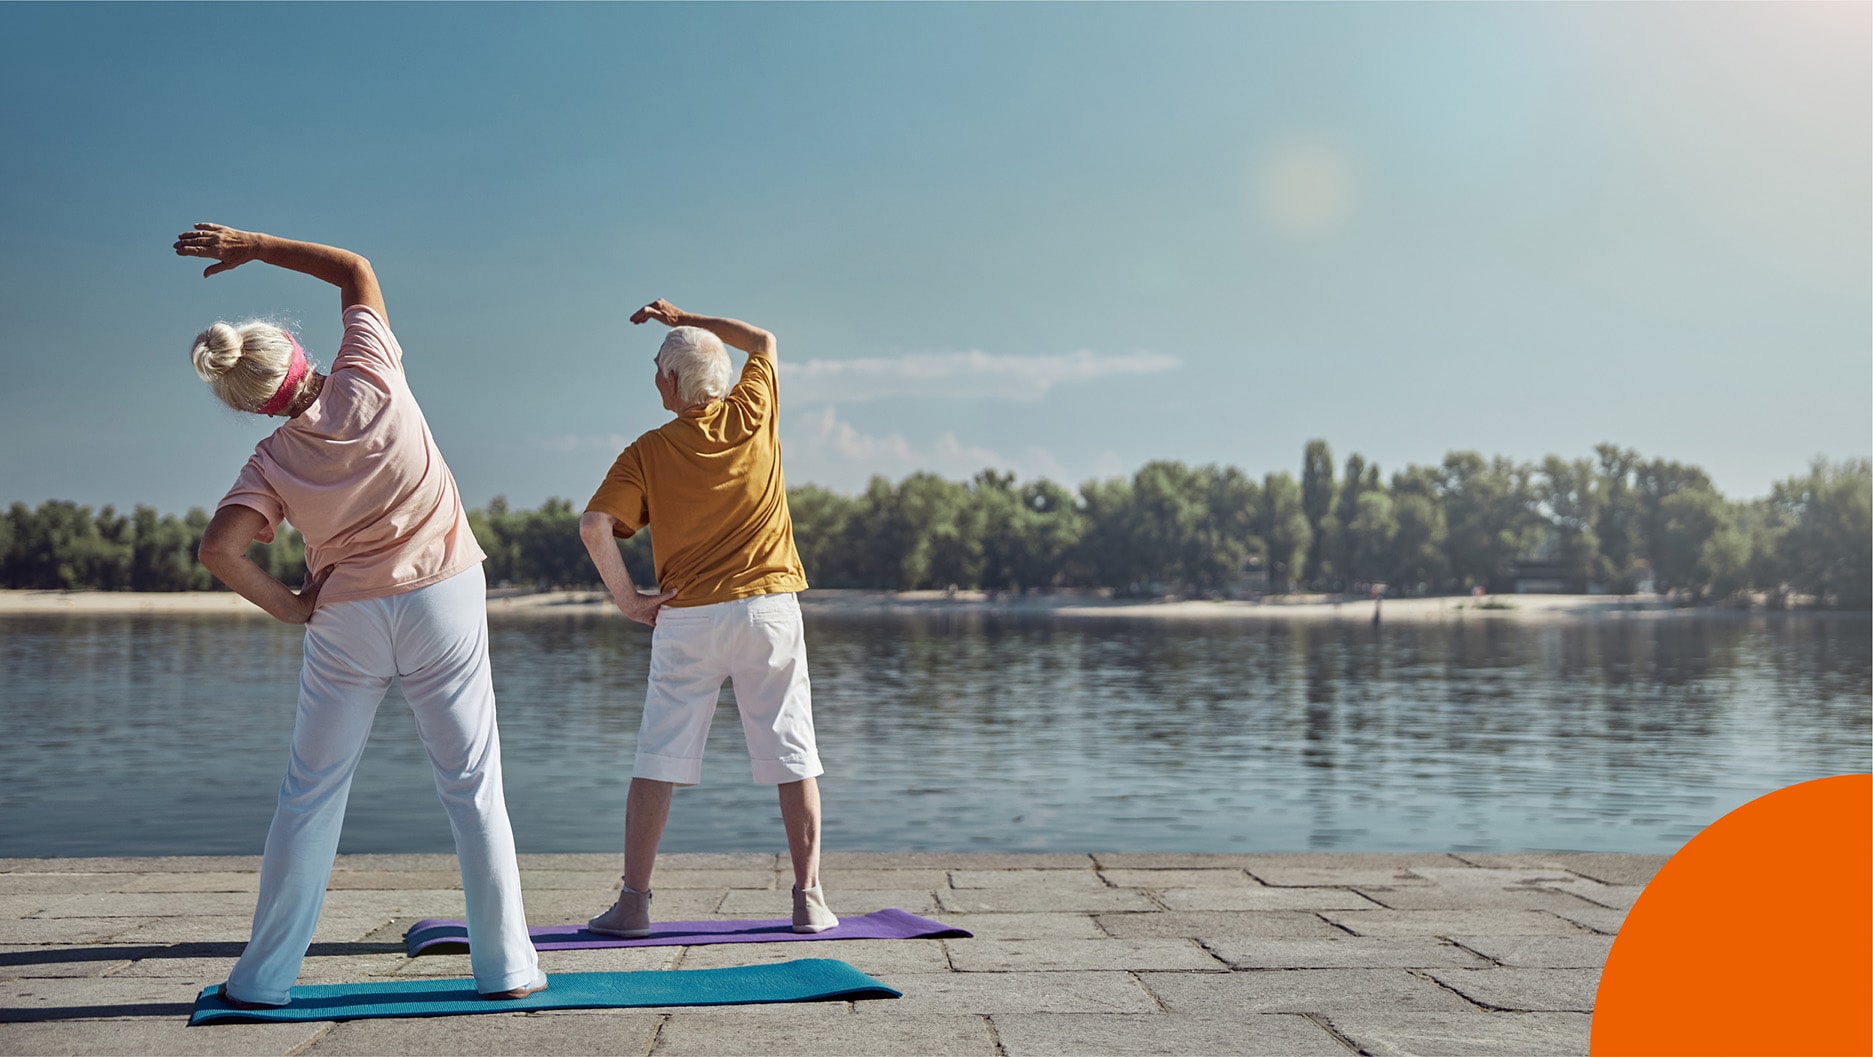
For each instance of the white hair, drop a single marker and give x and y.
(244, 363)
(699, 362)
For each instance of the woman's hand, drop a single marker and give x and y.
(660, 310)
(230, 246)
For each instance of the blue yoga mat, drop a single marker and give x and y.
(801, 980)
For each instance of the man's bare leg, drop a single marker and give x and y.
(799, 812)
(646, 809)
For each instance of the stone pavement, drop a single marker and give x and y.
(1073, 954)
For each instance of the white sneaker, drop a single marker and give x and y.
(809, 910)
(629, 917)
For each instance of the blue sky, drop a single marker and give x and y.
(1059, 239)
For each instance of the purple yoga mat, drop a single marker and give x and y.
(440, 936)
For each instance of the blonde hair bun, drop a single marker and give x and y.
(244, 364)
(216, 351)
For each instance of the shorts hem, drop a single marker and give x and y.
(783, 772)
(673, 769)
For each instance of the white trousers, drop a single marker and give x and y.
(436, 640)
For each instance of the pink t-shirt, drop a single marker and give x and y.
(359, 476)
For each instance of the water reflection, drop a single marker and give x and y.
(159, 735)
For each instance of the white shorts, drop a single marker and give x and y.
(757, 642)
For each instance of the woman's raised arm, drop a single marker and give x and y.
(231, 247)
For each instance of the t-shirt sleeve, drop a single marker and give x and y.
(368, 343)
(252, 490)
(758, 391)
(622, 495)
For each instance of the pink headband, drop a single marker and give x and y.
(295, 373)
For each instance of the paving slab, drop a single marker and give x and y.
(1343, 952)
(1132, 860)
(394, 880)
(213, 881)
(230, 929)
(1490, 922)
(1170, 1034)
(620, 1031)
(808, 1033)
(156, 1037)
(877, 880)
(1244, 925)
(1072, 897)
(1603, 920)
(1183, 878)
(145, 905)
(1031, 926)
(1383, 1034)
(1321, 876)
(92, 999)
(1541, 952)
(837, 860)
(1029, 880)
(428, 862)
(1524, 990)
(668, 861)
(1262, 897)
(574, 880)
(27, 961)
(1302, 991)
(603, 960)
(1020, 992)
(68, 930)
(1002, 956)
(1606, 868)
(427, 902)
(31, 904)
(664, 880)
(1617, 897)
(148, 864)
(12, 884)
(1455, 897)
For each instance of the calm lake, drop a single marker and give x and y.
(156, 735)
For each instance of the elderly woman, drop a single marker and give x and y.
(399, 595)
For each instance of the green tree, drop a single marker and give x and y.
(1282, 523)
(1317, 504)
(1489, 517)
(1106, 553)
(1827, 549)
(1570, 495)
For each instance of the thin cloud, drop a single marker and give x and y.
(959, 375)
(824, 449)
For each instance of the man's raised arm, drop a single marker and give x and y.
(748, 338)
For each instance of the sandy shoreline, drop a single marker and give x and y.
(506, 602)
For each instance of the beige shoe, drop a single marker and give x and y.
(629, 917)
(809, 910)
(534, 988)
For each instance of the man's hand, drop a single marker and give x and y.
(641, 607)
(660, 310)
(230, 246)
(308, 596)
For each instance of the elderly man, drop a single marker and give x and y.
(708, 484)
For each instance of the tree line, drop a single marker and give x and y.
(1617, 522)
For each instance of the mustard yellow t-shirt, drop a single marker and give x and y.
(708, 483)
